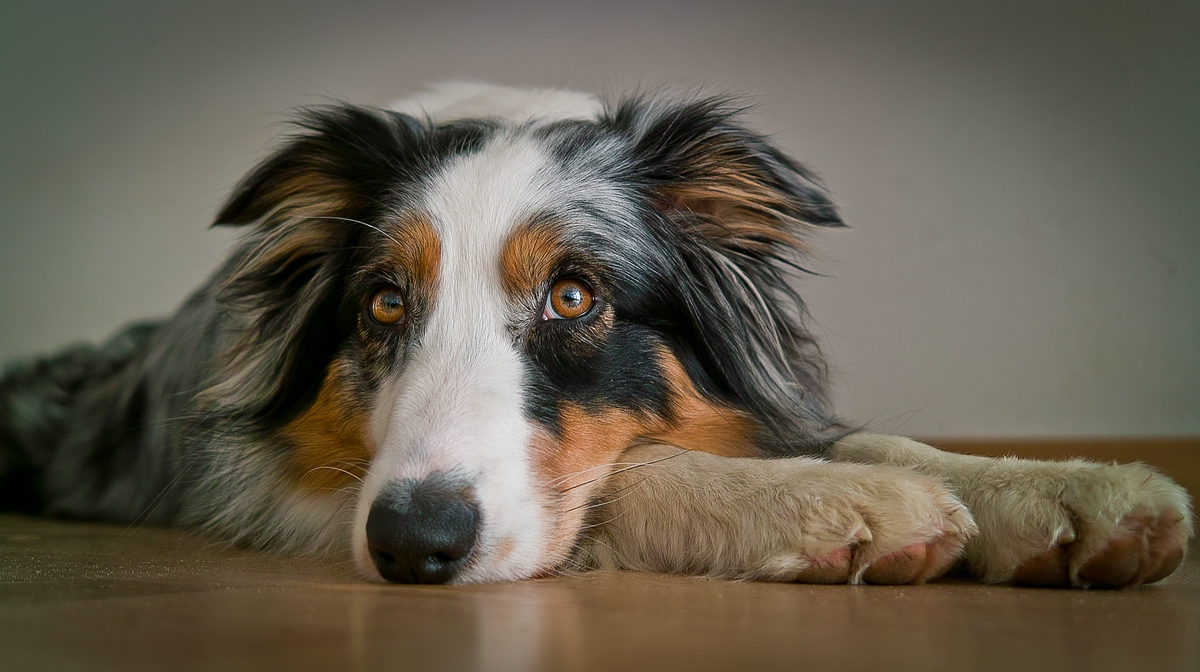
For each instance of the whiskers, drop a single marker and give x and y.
(622, 468)
(611, 498)
(582, 557)
(331, 467)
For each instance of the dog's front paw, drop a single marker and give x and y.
(1075, 523)
(775, 520)
(881, 525)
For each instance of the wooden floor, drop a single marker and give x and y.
(94, 597)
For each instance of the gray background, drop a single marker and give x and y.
(1021, 178)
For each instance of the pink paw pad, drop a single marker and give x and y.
(916, 563)
(1146, 550)
(903, 566)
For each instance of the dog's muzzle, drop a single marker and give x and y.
(422, 531)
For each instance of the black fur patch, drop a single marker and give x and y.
(616, 370)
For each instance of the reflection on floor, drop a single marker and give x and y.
(95, 597)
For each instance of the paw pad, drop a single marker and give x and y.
(1143, 550)
(903, 566)
(913, 564)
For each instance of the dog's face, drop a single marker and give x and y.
(466, 323)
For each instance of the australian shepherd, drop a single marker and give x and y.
(492, 334)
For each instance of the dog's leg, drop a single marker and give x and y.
(1071, 523)
(795, 519)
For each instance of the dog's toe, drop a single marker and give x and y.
(1164, 550)
(916, 563)
(1116, 565)
(832, 568)
(1164, 565)
(903, 566)
(939, 541)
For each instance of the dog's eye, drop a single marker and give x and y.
(569, 298)
(387, 306)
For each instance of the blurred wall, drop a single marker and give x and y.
(1021, 179)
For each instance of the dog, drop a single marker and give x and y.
(492, 334)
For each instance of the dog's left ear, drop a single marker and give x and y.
(736, 209)
(708, 172)
(342, 157)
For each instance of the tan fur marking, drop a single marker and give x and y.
(735, 203)
(574, 466)
(591, 440)
(733, 214)
(329, 449)
(312, 190)
(701, 424)
(418, 250)
(528, 258)
(588, 441)
(591, 444)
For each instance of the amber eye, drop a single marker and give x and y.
(569, 299)
(387, 306)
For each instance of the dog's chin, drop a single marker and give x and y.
(498, 572)
(476, 572)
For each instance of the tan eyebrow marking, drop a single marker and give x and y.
(529, 256)
(417, 248)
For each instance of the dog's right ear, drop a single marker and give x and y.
(342, 156)
(309, 203)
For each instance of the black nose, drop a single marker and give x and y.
(421, 531)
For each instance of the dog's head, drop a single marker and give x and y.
(466, 321)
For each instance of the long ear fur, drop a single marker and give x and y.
(738, 209)
(309, 203)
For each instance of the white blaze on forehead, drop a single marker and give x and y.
(457, 406)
